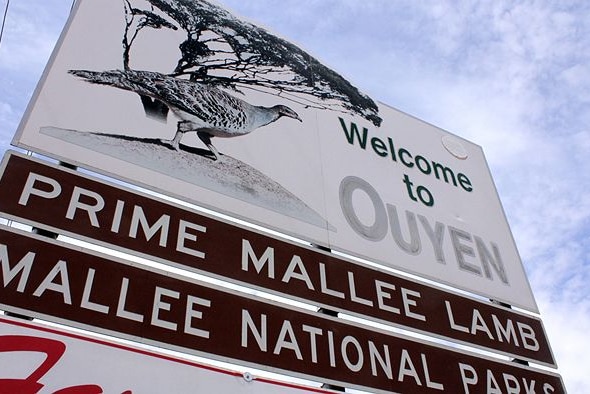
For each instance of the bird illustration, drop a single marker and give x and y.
(202, 108)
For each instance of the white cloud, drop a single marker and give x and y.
(568, 333)
(30, 34)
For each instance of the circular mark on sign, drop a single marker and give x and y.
(454, 146)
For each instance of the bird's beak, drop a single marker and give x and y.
(295, 115)
(286, 111)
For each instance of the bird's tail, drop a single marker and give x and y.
(140, 82)
(144, 83)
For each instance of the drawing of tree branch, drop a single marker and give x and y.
(223, 50)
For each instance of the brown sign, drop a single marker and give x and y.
(50, 280)
(68, 202)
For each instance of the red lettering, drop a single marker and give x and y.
(53, 350)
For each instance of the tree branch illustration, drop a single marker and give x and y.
(223, 50)
(136, 20)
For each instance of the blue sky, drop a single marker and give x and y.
(511, 76)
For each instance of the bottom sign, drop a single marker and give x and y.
(74, 363)
(51, 280)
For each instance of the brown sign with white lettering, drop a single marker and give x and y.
(49, 280)
(68, 202)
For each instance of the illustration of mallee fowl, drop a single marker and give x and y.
(204, 109)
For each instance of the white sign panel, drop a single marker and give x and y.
(36, 358)
(185, 98)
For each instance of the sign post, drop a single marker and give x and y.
(184, 98)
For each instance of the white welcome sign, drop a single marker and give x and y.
(184, 98)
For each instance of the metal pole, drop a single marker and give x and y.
(328, 312)
(505, 305)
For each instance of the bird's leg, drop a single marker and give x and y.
(174, 143)
(206, 138)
